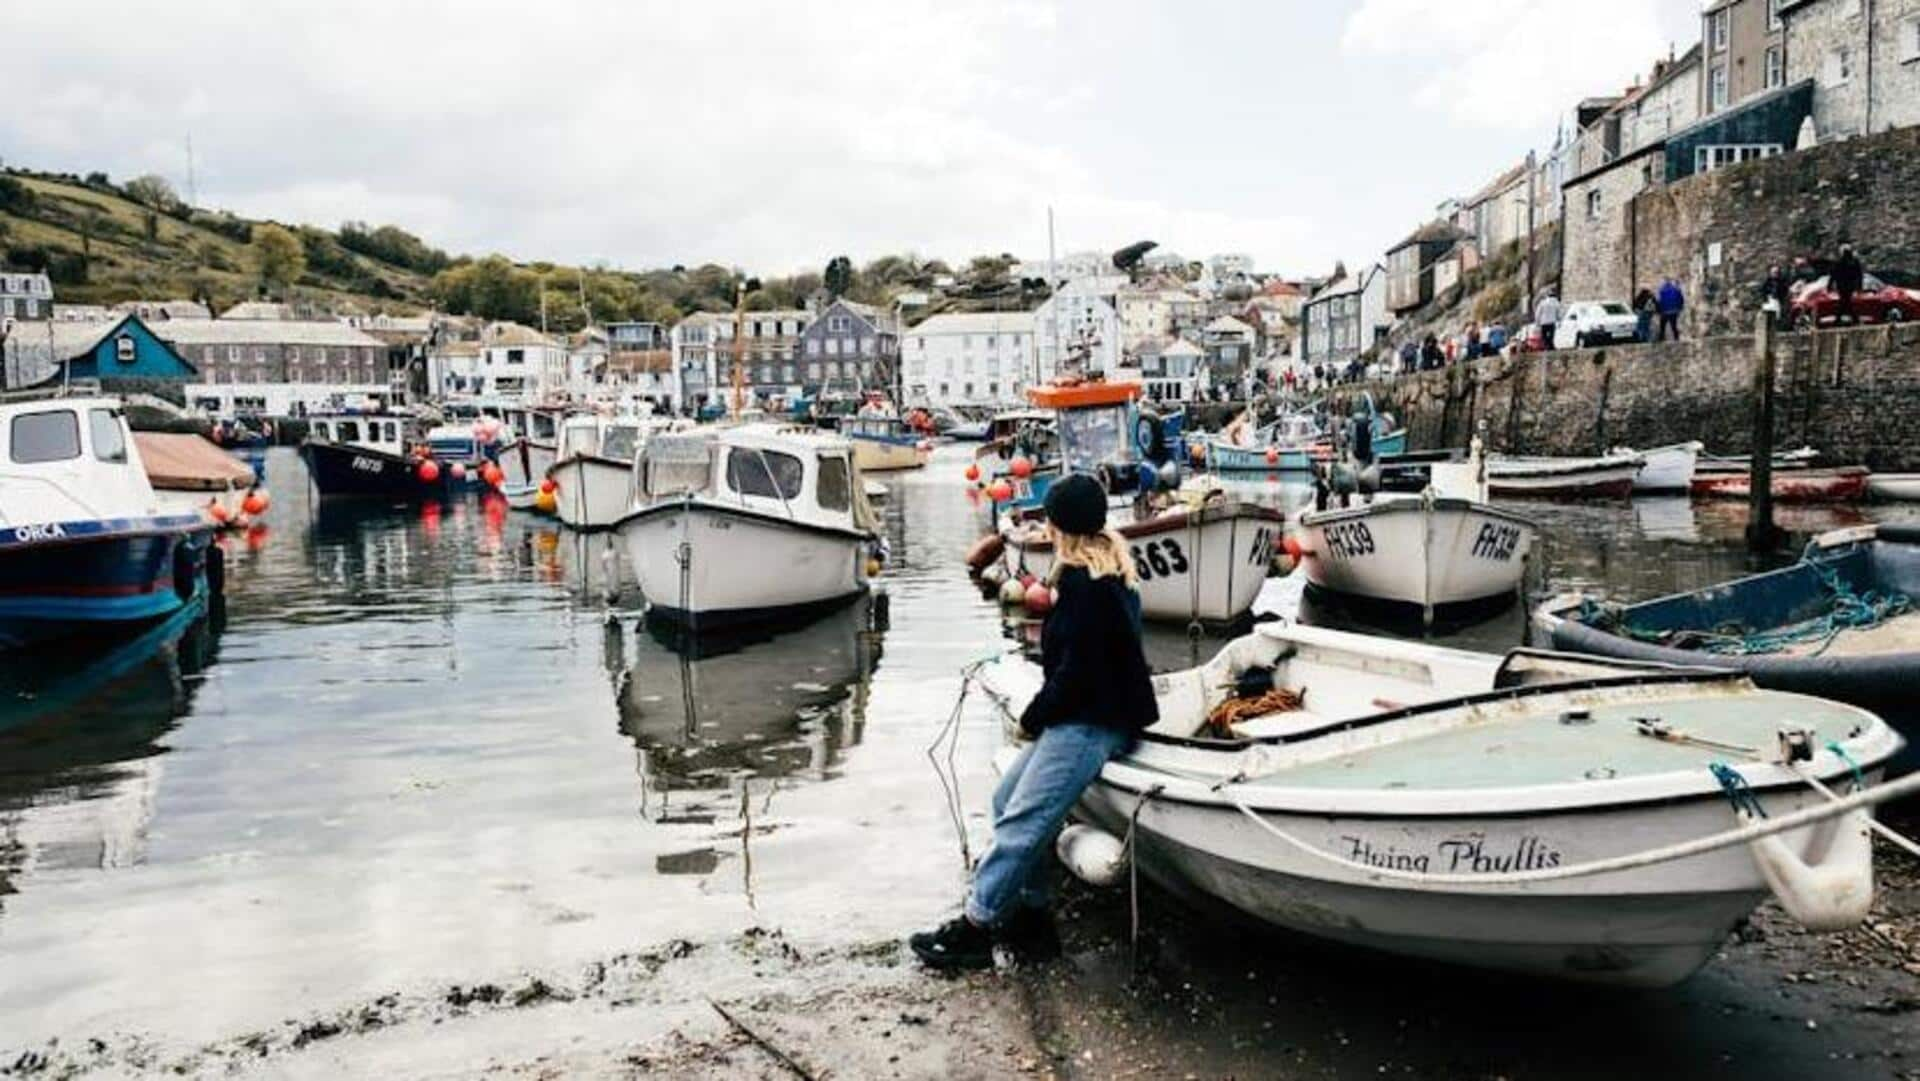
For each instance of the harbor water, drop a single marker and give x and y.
(436, 747)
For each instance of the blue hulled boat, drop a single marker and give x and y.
(84, 542)
(1841, 623)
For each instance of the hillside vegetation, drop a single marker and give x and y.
(103, 242)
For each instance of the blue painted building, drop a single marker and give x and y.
(126, 350)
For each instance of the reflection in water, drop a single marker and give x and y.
(781, 702)
(80, 728)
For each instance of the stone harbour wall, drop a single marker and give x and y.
(1854, 394)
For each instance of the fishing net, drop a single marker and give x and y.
(1847, 609)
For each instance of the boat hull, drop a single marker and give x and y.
(1207, 565)
(1793, 486)
(1648, 928)
(593, 493)
(62, 578)
(1598, 481)
(1894, 487)
(1231, 458)
(714, 566)
(1433, 557)
(367, 474)
(1668, 469)
(886, 455)
(201, 502)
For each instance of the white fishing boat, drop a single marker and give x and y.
(883, 442)
(1894, 487)
(1608, 476)
(1541, 813)
(744, 524)
(1201, 560)
(593, 475)
(1665, 469)
(530, 446)
(1444, 552)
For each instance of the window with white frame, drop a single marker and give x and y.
(1717, 30)
(1708, 158)
(1773, 14)
(1717, 87)
(1838, 69)
(1593, 204)
(1776, 69)
(1910, 40)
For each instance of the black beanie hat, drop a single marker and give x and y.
(1077, 504)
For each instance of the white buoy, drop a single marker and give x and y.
(1095, 856)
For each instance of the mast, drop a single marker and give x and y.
(739, 335)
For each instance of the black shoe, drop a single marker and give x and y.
(1030, 934)
(957, 945)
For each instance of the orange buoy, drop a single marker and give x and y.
(429, 471)
(218, 513)
(1000, 491)
(549, 486)
(256, 503)
(973, 472)
(1023, 467)
(1273, 456)
(1292, 546)
(985, 551)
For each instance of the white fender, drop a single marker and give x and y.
(1832, 892)
(1095, 856)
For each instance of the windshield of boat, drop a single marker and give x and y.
(543, 427)
(1095, 436)
(766, 473)
(620, 442)
(582, 438)
(52, 436)
(835, 491)
(676, 465)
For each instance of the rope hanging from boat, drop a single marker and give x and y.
(1850, 610)
(1745, 834)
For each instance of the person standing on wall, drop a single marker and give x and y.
(1671, 302)
(1547, 314)
(1776, 295)
(1644, 309)
(1848, 277)
(1096, 700)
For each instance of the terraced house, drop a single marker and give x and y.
(849, 346)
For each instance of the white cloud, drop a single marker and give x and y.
(1515, 65)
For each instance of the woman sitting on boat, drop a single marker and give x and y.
(1098, 696)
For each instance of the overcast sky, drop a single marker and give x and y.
(775, 135)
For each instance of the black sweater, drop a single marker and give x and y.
(1090, 650)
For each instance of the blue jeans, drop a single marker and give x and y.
(1029, 806)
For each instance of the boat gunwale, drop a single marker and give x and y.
(1315, 518)
(754, 514)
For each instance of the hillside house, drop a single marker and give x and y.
(968, 358)
(25, 295)
(849, 346)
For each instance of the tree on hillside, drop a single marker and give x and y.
(492, 288)
(153, 192)
(839, 276)
(990, 269)
(278, 255)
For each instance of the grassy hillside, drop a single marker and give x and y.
(101, 246)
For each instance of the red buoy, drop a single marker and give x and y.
(429, 471)
(973, 472)
(1039, 598)
(1273, 456)
(1000, 491)
(1291, 545)
(1023, 467)
(549, 486)
(255, 504)
(217, 512)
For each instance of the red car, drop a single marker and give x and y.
(1816, 304)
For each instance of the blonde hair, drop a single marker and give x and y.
(1101, 553)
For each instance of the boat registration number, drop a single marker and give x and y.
(1349, 540)
(1159, 559)
(369, 465)
(1496, 541)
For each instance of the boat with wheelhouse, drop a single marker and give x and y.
(748, 524)
(882, 442)
(593, 475)
(85, 543)
(376, 455)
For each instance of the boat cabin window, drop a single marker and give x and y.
(767, 473)
(543, 426)
(578, 439)
(348, 431)
(45, 437)
(619, 442)
(1095, 437)
(673, 466)
(320, 429)
(109, 439)
(835, 490)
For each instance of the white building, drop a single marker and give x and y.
(509, 360)
(973, 358)
(1078, 321)
(1069, 267)
(25, 295)
(1230, 265)
(1151, 311)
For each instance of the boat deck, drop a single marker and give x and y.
(1534, 750)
